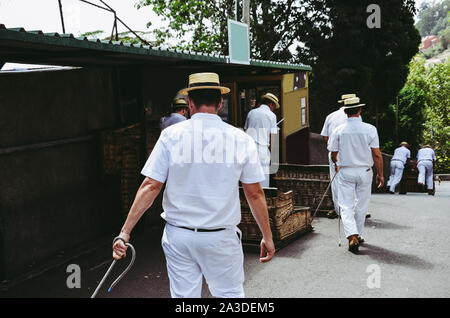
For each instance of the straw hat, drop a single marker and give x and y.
(179, 102)
(273, 98)
(404, 143)
(204, 81)
(346, 96)
(352, 102)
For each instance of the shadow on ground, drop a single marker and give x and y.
(382, 224)
(394, 258)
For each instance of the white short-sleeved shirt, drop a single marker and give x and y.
(202, 161)
(354, 141)
(425, 154)
(171, 120)
(260, 123)
(401, 153)
(334, 120)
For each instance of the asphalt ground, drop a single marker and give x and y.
(406, 254)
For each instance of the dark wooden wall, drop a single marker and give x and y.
(53, 195)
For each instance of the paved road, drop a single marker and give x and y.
(407, 238)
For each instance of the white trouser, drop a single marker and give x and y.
(334, 184)
(425, 168)
(354, 188)
(264, 159)
(216, 255)
(396, 174)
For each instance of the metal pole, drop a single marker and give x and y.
(396, 122)
(62, 17)
(236, 12)
(246, 12)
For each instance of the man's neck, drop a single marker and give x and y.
(268, 106)
(205, 109)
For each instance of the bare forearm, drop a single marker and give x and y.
(258, 206)
(145, 196)
(378, 161)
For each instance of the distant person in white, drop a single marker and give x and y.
(332, 121)
(398, 162)
(201, 197)
(179, 113)
(425, 164)
(261, 123)
(354, 148)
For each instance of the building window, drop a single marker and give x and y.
(303, 110)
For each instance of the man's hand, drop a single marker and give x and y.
(267, 250)
(380, 180)
(119, 247)
(257, 201)
(378, 161)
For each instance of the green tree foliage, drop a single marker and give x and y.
(126, 37)
(406, 117)
(275, 25)
(426, 101)
(432, 17)
(373, 63)
(437, 123)
(444, 39)
(94, 34)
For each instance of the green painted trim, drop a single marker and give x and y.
(280, 65)
(69, 41)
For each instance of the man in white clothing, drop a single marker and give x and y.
(357, 145)
(332, 121)
(261, 124)
(398, 162)
(202, 160)
(179, 113)
(425, 164)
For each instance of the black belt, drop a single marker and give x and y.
(201, 230)
(425, 160)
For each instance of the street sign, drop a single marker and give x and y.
(238, 42)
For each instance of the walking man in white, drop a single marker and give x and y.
(398, 162)
(179, 113)
(261, 123)
(425, 164)
(202, 160)
(332, 121)
(357, 145)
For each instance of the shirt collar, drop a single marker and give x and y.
(353, 118)
(206, 116)
(264, 106)
(178, 115)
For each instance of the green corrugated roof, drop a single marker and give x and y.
(14, 41)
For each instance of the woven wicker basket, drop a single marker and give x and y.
(309, 183)
(122, 158)
(284, 218)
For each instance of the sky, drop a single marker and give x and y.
(79, 17)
